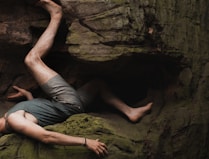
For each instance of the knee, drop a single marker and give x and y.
(31, 59)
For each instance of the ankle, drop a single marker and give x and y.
(129, 112)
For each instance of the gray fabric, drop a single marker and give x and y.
(47, 112)
(61, 91)
(65, 102)
(58, 89)
(86, 97)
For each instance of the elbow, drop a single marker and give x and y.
(46, 138)
(45, 141)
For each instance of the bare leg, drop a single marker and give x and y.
(40, 71)
(99, 87)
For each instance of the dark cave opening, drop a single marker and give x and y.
(130, 77)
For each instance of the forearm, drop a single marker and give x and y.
(62, 139)
(29, 96)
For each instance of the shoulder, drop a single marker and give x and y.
(4, 126)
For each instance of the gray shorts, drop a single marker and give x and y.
(60, 91)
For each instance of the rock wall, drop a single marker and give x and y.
(146, 50)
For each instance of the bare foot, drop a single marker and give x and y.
(53, 8)
(137, 113)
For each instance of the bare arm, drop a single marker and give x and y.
(20, 93)
(20, 124)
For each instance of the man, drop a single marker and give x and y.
(29, 117)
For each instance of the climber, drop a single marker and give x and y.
(29, 117)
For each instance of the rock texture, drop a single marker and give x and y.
(145, 49)
(110, 29)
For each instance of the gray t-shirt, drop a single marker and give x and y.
(47, 112)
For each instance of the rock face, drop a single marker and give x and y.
(152, 50)
(109, 29)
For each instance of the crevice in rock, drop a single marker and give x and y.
(90, 28)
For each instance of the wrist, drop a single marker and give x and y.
(84, 142)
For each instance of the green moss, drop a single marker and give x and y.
(119, 146)
(9, 146)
